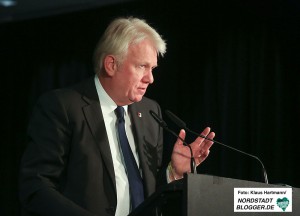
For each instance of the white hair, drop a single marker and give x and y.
(122, 32)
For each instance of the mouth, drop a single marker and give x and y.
(142, 90)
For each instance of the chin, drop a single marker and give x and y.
(137, 99)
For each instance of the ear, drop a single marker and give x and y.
(110, 65)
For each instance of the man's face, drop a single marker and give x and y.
(134, 74)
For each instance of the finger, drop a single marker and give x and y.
(198, 144)
(202, 158)
(211, 135)
(209, 139)
(205, 154)
(207, 143)
(204, 133)
(182, 136)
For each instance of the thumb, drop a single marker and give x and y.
(182, 136)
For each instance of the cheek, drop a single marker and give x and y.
(128, 86)
(131, 80)
(133, 87)
(135, 81)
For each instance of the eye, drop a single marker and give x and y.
(145, 67)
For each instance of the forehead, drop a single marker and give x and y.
(143, 50)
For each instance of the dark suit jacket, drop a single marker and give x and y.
(67, 167)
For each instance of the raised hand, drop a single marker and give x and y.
(181, 155)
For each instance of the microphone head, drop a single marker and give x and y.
(176, 120)
(161, 122)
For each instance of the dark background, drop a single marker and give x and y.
(231, 65)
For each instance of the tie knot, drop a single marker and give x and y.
(120, 112)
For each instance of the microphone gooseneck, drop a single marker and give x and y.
(182, 124)
(164, 125)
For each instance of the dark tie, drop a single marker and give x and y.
(133, 173)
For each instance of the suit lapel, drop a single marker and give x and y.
(138, 122)
(138, 129)
(96, 124)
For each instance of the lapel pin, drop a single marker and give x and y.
(139, 114)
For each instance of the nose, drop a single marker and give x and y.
(149, 77)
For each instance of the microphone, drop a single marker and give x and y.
(164, 125)
(182, 124)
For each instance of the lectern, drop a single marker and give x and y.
(198, 194)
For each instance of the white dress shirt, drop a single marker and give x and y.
(108, 107)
